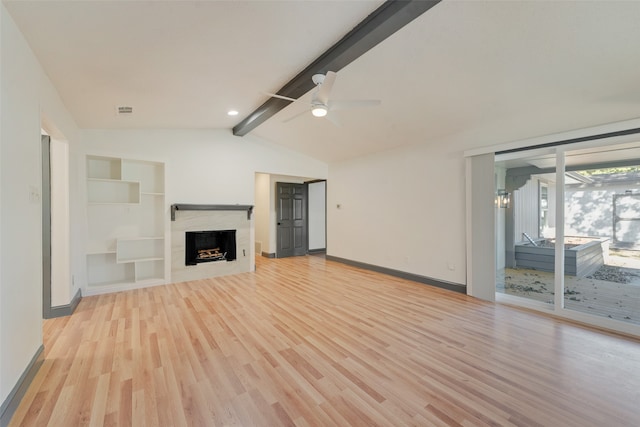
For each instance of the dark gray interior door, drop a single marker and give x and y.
(291, 211)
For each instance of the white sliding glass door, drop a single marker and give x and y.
(525, 227)
(568, 237)
(602, 233)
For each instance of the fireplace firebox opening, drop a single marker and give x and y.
(209, 246)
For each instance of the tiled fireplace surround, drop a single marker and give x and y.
(200, 220)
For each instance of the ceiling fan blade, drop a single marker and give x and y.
(325, 87)
(275, 95)
(353, 103)
(333, 119)
(295, 116)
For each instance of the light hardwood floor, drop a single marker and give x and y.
(308, 342)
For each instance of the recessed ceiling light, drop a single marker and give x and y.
(232, 113)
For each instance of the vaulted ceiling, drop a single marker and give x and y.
(490, 71)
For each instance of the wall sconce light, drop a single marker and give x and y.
(503, 198)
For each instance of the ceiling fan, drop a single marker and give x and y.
(321, 105)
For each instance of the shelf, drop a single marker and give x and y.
(139, 249)
(136, 239)
(101, 246)
(150, 269)
(125, 200)
(138, 259)
(104, 167)
(114, 203)
(98, 252)
(110, 191)
(149, 259)
(149, 174)
(103, 270)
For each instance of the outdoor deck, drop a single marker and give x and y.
(607, 298)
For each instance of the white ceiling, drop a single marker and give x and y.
(493, 71)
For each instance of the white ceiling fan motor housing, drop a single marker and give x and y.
(318, 79)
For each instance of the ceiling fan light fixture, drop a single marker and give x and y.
(319, 111)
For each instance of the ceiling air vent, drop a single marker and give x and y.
(124, 110)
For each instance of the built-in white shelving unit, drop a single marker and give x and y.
(126, 219)
(109, 191)
(140, 249)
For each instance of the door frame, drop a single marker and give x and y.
(48, 310)
(319, 250)
(46, 227)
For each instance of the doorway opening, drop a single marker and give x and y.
(311, 206)
(59, 293)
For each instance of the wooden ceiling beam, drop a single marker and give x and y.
(380, 24)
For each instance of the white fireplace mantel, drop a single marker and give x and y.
(191, 207)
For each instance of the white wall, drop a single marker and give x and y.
(61, 283)
(500, 219)
(317, 215)
(3, 393)
(201, 167)
(589, 211)
(261, 212)
(20, 279)
(30, 95)
(480, 226)
(402, 209)
(204, 166)
(551, 213)
(526, 210)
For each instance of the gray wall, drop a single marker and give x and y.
(590, 212)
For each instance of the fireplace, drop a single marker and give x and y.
(209, 246)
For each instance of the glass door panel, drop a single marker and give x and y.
(525, 229)
(602, 229)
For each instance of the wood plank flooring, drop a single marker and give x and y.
(308, 342)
